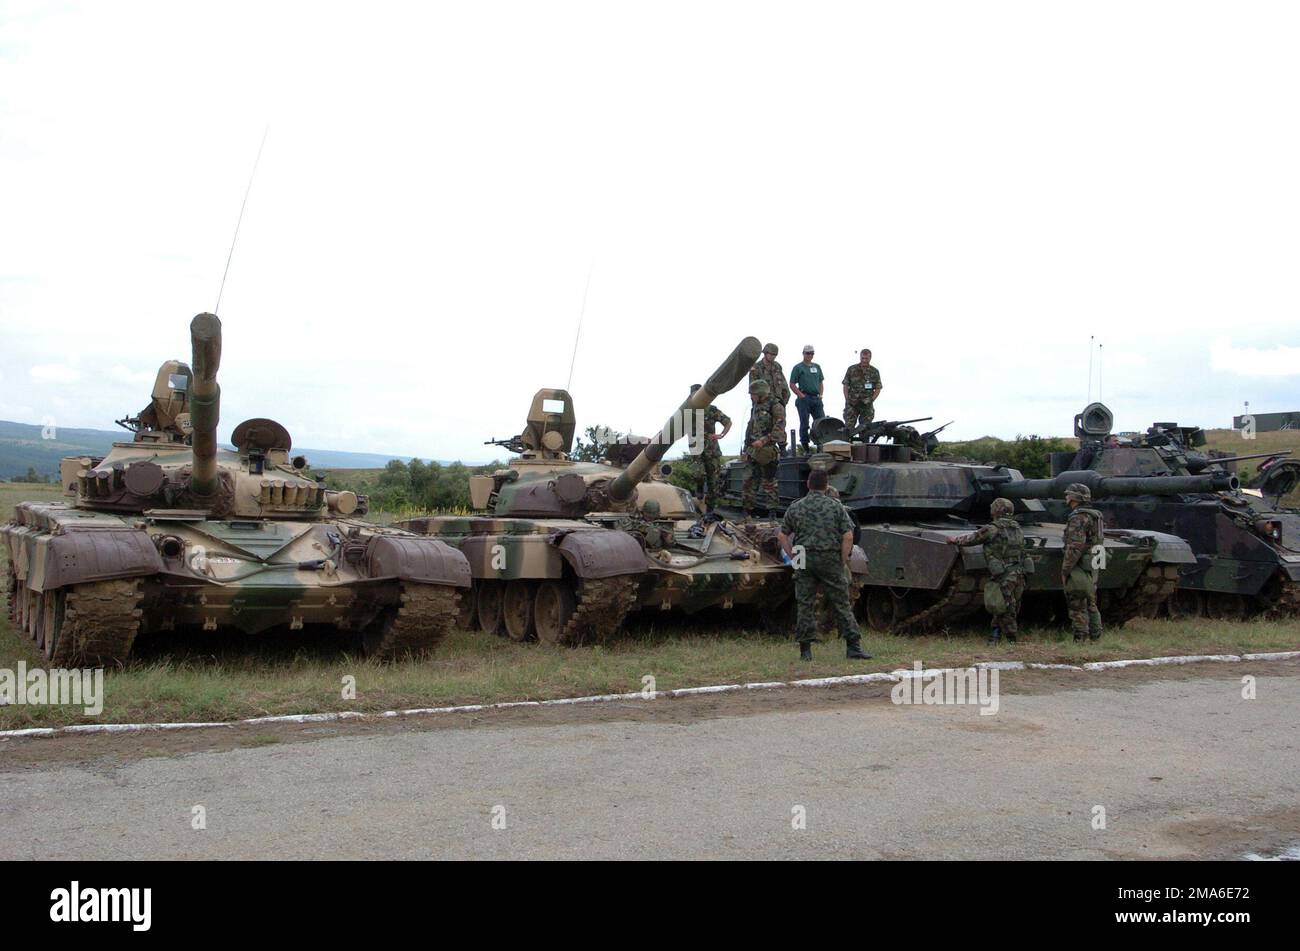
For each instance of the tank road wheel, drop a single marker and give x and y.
(517, 610)
(880, 608)
(1222, 606)
(424, 616)
(489, 605)
(1186, 603)
(553, 607)
(467, 619)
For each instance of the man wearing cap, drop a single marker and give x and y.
(861, 390)
(711, 452)
(807, 382)
(762, 450)
(1004, 555)
(823, 531)
(769, 370)
(1084, 542)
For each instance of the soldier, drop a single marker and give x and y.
(768, 369)
(646, 526)
(861, 390)
(711, 452)
(823, 530)
(807, 381)
(1083, 536)
(762, 449)
(1004, 553)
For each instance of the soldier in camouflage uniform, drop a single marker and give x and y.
(711, 452)
(769, 370)
(1004, 553)
(762, 450)
(861, 390)
(1083, 535)
(823, 531)
(645, 525)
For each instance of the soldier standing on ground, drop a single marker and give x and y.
(823, 531)
(768, 370)
(861, 390)
(807, 382)
(711, 452)
(1083, 536)
(1004, 553)
(762, 450)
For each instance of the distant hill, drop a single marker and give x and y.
(21, 447)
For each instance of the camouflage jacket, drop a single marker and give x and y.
(817, 522)
(1082, 532)
(713, 417)
(775, 378)
(1004, 546)
(863, 384)
(763, 422)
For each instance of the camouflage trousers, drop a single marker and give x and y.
(1013, 589)
(759, 490)
(1085, 619)
(711, 464)
(858, 413)
(825, 570)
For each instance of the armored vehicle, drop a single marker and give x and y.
(907, 506)
(1247, 545)
(565, 549)
(170, 530)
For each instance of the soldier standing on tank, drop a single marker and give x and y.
(823, 531)
(1004, 553)
(807, 381)
(762, 450)
(861, 390)
(769, 370)
(711, 452)
(1083, 537)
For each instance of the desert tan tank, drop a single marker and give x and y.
(170, 530)
(565, 549)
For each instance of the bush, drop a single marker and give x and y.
(1029, 454)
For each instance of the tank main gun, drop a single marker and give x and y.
(1199, 463)
(205, 403)
(725, 378)
(1109, 486)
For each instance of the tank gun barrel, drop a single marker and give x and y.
(1112, 486)
(725, 378)
(1198, 463)
(205, 402)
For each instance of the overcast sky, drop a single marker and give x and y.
(971, 189)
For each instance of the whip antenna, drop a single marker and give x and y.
(239, 220)
(1090, 340)
(581, 313)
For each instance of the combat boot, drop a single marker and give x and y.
(854, 650)
(805, 650)
(995, 635)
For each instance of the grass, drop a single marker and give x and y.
(205, 678)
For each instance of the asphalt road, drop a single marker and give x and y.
(1182, 765)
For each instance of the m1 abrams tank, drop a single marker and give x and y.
(171, 531)
(907, 507)
(567, 549)
(1247, 545)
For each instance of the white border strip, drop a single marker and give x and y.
(847, 680)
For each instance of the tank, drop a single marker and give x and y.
(907, 506)
(172, 531)
(1246, 543)
(564, 550)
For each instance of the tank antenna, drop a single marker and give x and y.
(1090, 340)
(581, 313)
(239, 220)
(1101, 367)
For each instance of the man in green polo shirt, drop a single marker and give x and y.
(807, 382)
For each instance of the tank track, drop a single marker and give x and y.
(1152, 589)
(1286, 604)
(603, 603)
(427, 612)
(964, 593)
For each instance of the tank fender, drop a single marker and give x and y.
(601, 554)
(409, 558)
(77, 557)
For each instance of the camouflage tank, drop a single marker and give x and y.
(566, 549)
(1247, 545)
(907, 506)
(169, 530)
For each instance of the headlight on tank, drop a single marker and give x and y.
(1271, 529)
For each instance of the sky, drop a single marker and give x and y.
(976, 191)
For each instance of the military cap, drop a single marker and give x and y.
(770, 348)
(759, 388)
(1079, 492)
(1001, 507)
(651, 508)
